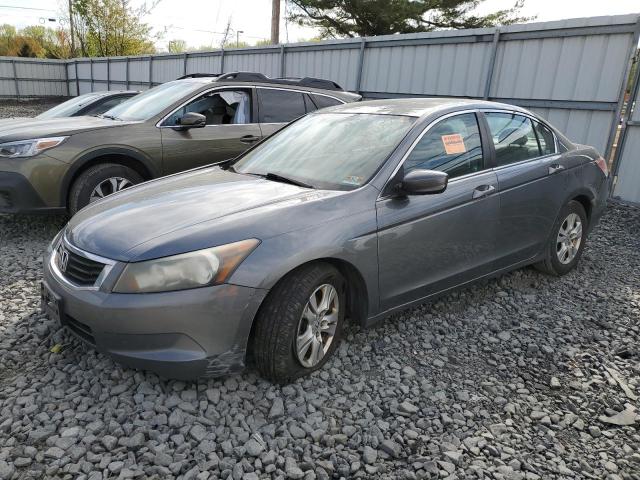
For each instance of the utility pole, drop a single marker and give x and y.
(73, 40)
(275, 22)
(238, 32)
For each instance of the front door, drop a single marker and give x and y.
(532, 184)
(230, 130)
(429, 243)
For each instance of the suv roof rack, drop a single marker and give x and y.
(198, 75)
(259, 77)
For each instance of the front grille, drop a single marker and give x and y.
(80, 329)
(78, 269)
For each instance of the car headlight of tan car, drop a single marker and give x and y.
(202, 268)
(29, 148)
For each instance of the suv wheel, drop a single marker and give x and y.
(567, 240)
(99, 181)
(300, 324)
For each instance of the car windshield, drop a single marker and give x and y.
(334, 151)
(69, 107)
(152, 102)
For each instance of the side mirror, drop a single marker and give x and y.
(424, 182)
(192, 120)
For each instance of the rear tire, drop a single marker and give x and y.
(98, 182)
(567, 240)
(284, 339)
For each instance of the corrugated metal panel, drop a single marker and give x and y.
(167, 69)
(202, 64)
(628, 185)
(139, 70)
(85, 87)
(84, 70)
(336, 65)
(267, 63)
(7, 88)
(449, 70)
(118, 72)
(100, 71)
(575, 68)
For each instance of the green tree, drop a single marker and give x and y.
(360, 18)
(111, 27)
(177, 46)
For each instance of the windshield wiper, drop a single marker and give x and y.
(280, 178)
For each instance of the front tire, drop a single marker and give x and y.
(567, 240)
(99, 181)
(300, 324)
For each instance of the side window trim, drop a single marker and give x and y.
(426, 130)
(250, 91)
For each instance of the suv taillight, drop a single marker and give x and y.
(602, 163)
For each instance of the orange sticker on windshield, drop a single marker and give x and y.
(453, 144)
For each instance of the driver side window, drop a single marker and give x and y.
(452, 146)
(226, 107)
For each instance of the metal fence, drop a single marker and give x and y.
(572, 72)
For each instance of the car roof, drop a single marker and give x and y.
(417, 107)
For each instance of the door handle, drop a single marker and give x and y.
(483, 191)
(555, 168)
(249, 139)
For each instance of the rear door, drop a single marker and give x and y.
(429, 243)
(278, 106)
(532, 180)
(230, 130)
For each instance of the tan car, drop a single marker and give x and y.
(66, 163)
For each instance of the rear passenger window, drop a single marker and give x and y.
(546, 139)
(452, 146)
(322, 102)
(513, 137)
(279, 106)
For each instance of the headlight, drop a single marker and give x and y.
(202, 268)
(29, 148)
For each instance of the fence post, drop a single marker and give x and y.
(184, 66)
(126, 73)
(108, 73)
(91, 69)
(222, 61)
(75, 64)
(150, 71)
(66, 78)
(15, 78)
(282, 61)
(363, 46)
(492, 64)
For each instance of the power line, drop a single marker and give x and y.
(27, 8)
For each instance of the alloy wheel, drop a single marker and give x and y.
(109, 186)
(569, 239)
(317, 325)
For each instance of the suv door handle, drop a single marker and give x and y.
(483, 191)
(249, 139)
(555, 168)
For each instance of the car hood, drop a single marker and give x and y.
(14, 129)
(190, 211)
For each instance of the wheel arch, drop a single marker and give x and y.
(123, 156)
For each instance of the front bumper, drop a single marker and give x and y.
(17, 195)
(185, 335)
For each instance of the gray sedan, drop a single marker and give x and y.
(348, 214)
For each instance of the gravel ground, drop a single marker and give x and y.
(527, 376)
(523, 377)
(25, 108)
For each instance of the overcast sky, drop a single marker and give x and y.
(200, 22)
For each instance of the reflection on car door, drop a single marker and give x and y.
(430, 243)
(230, 130)
(532, 184)
(277, 107)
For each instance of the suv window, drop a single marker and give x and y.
(321, 101)
(452, 146)
(279, 106)
(104, 105)
(226, 107)
(308, 103)
(513, 137)
(546, 139)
